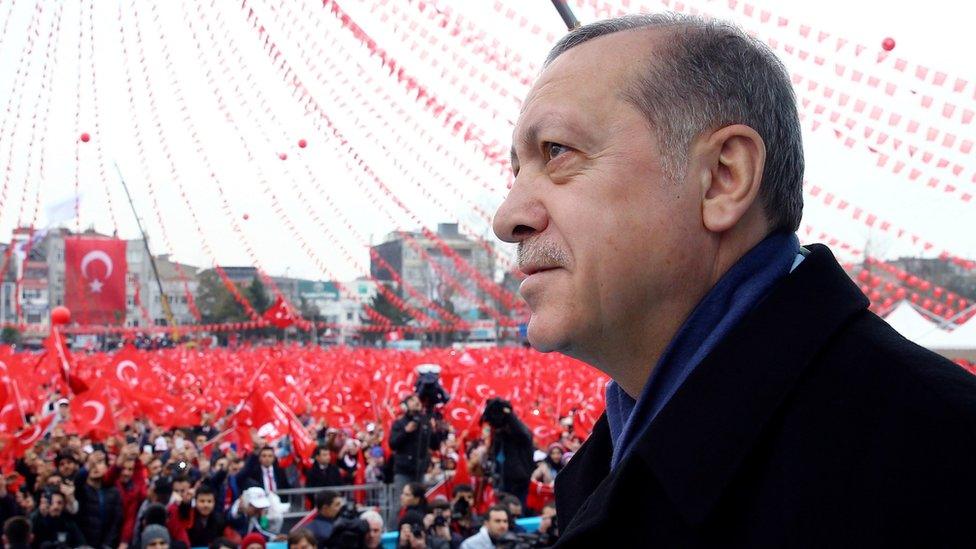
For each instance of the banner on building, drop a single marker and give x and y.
(94, 280)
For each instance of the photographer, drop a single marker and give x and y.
(510, 455)
(412, 437)
(494, 529)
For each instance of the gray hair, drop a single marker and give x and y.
(710, 74)
(372, 516)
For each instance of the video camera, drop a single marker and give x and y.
(348, 531)
(428, 386)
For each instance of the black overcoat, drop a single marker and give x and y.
(811, 424)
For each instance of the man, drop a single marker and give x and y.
(99, 506)
(328, 504)
(128, 475)
(548, 527)
(494, 529)
(514, 507)
(412, 437)
(322, 473)
(50, 524)
(755, 400)
(155, 536)
(374, 538)
(17, 533)
(67, 465)
(262, 470)
(511, 448)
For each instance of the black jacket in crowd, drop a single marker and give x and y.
(99, 514)
(205, 529)
(811, 424)
(60, 529)
(319, 476)
(514, 441)
(411, 454)
(251, 473)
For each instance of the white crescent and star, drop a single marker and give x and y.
(99, 410)
(92, 256)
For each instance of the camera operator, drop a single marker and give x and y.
(510, 455)
(328, 504)
(412, 437)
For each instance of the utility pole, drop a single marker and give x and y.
(152, 260)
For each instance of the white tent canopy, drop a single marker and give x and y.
(912, 324)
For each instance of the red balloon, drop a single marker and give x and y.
(864, 276)
(888, 44)
(283, 156)
(246, 217)
(302, 143)
(900, 293)
(85, 137)
(60, 315)
(927, 304)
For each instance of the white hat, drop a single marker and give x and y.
(538, 456)
(257, 497)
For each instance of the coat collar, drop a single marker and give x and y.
(699, 439)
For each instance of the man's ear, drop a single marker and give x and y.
(733, 158)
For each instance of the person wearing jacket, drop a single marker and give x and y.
(50, 524)
(99, 506)
(129, 476)
(412, 437)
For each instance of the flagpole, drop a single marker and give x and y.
(152, 260)
(567, 14)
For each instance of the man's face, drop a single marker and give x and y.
(301, 544)
(331, 510)
(469, 496)
(235, 467)
(56, 505)
(323, 457)
(413, 404)
(155, 467)
(407, 497)
(67, 468)
(205, 504)
(96, 469)
(128, 468)
(375, 534)
(200, 441)
(182, 488)
(266, 458)
(157, 544)
(497, 523)
(515, 509)
(603, 234)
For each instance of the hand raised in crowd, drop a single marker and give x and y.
(410, 427)
(68, 489)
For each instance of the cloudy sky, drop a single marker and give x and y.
(198, 102)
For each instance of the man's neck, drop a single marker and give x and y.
(94, 483)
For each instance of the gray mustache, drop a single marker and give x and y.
(543, 253)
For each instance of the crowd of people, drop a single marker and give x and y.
(146, 486)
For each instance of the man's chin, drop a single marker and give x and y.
(544, 337)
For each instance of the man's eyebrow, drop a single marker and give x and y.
(528, 138)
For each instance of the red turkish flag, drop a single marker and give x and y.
(25, 439)
(94, 280)
(92, 414)
(279, 314)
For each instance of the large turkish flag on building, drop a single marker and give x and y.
(94, 280)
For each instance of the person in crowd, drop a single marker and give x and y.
(412, 534)
(327, 506)
(547, 520)
(160, 493)
(511, 449)
(322, 473)
(375, 465)
(256, 511)
(52, 525)
(348, 460)
(8, 502)
(17, 533)
(495, 527)
(222, 543)
(206, 523)
(68, 465)
(99, 505)
(374, 538)
(261, 469)
(413, 498)
(302, 538)
(514, 507)
(658, 185)
(254, 540)
(155, 536)
(550, 466)
(411, 439)
(128, 475)
(464, 521)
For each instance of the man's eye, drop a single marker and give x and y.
(552, 150)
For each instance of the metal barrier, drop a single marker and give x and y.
(377, 495)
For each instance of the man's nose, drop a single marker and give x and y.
(520, 216)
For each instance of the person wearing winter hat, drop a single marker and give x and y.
(254, 540)
(155, 536)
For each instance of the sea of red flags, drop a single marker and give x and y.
(274, 388)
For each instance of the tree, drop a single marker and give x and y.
(10, 335)
(216, 303)
(258, 296)
(382, 305)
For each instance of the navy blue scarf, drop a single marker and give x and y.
(735, 294)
